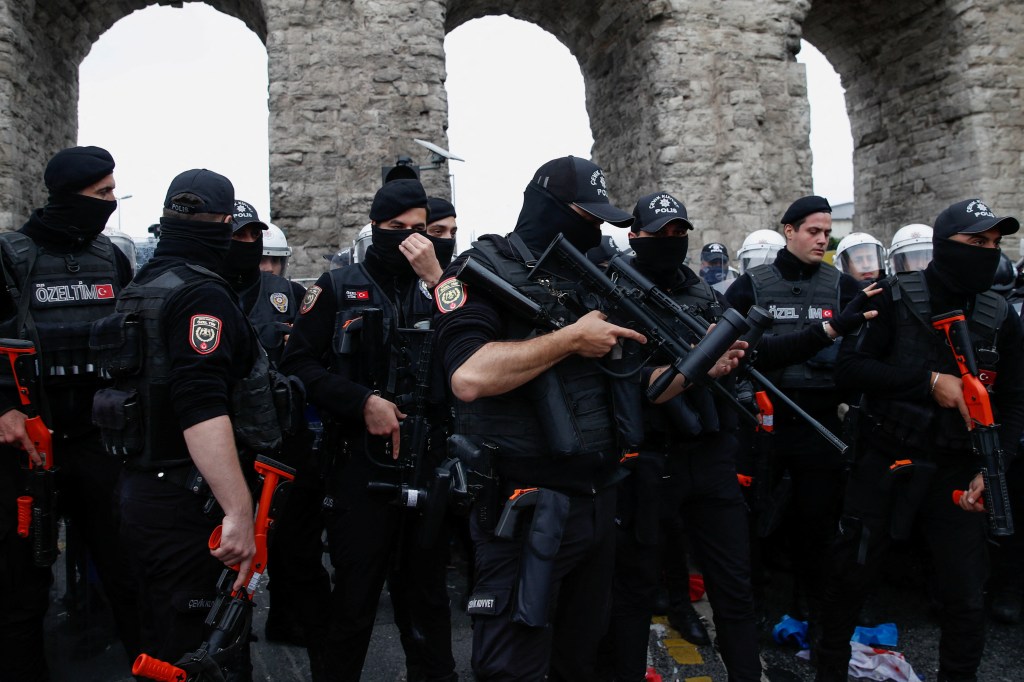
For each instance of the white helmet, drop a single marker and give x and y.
(860, 256)
(759, 248)
(275, 243)
(911, 249)
(124, 242)
(362, 243)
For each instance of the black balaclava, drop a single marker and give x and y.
(196, 241)
(242, 265)
(444, 249)
(384, 248)
(78, 216)
(543, 216)
(963, 268)
(660, 258)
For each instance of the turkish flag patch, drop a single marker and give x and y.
(357, 294)
(104, 291)
(204, 334)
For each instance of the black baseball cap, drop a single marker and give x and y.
(395, 198)
(657, 210)
(75, 168)
(803, 207)
(715, 251)
(581, 182)
(244, 214)
(971, 217)
(215, 191)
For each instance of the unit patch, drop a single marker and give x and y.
(279, 301)
(309, 300)
(71, 292)
(357, 294)
(204, 334)
(482, 605)
(450, 295)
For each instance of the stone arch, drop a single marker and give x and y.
(46, 42)
(934, 94)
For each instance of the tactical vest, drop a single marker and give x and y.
(59, 296)
(136, 416)
(558, 430)
(693, 412)
(795, 306)
(922, 424)
(273, 313)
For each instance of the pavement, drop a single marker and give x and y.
(82, 649)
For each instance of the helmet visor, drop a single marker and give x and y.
(862, 261)
(910, 258)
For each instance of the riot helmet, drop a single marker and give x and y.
(911, 249)
(1006, 276)
(362, 243)
(860, 256)
(275, 251)
(759, 247)
(127, 246)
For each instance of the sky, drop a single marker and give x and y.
(124, 107)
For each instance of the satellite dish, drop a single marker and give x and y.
(438, 152)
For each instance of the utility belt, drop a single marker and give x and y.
(889, 429)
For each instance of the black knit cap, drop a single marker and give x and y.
(216, 192)
(439, 209)
(75, 168)
(803, 207)
(971, 216)
(395, 198)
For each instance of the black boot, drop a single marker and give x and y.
(688, 624)
(1006, 602)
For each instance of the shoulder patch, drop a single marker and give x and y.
(309, 300)
(204, 333)
(450, 295)
(279, 301)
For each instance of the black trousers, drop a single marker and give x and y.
(701, 489)
(369, 539)
(24, 597)
(166, 532)
(956, 541)
(580, 599)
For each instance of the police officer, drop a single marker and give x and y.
(498, 368)
(687, 464)
(194, 387)
(915, 411)
(362, 348)
(61, 274)
(810, 301)
(442, 221)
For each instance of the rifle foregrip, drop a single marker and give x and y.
(155, 669)
(24, 515)
(997, 503)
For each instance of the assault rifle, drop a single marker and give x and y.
(37, 516)
(984, 433)
(758, 318)
(230, 617)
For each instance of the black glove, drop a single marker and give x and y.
(851, 317)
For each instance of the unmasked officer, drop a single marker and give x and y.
(811, 305)
(362, 346)
(505, 375)
(685, 468)
(61, 274)
(195, 402)
(915, 410)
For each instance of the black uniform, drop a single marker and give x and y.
(891, 361)
(343, 356)
(535, 446)
(197, 349)
(799, 357)
(686, 468)
(57, 284)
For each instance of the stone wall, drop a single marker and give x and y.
(702, 98)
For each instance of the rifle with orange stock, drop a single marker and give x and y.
(230, 617)
(984, 434)
(37, 516)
